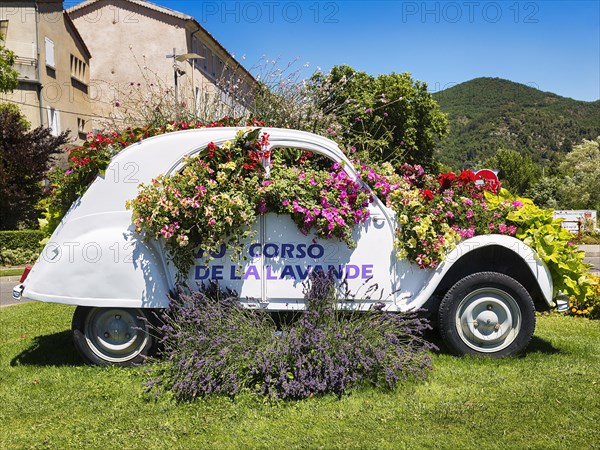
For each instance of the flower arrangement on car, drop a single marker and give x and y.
(215, 199)
(221, 191)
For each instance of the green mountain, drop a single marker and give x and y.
(486, 114)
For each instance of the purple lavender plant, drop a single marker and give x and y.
(214, 346)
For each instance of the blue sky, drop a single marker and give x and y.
(551, 45)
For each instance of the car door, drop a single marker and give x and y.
(365, 274)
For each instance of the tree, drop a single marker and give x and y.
(392, 111)
(25, 158)
(8, 75)
(577, 185)
(585, 158)
(517, 173)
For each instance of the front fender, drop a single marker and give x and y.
(531, 259)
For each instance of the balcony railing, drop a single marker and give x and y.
(27, 68)
(26, 62)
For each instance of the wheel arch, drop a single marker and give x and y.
(492, 258)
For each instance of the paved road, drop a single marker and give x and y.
(592, 256)
(6, 287)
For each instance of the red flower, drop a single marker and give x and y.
(264, 139)
(467, 176)
(447, 179)
(427, 194)
(211, 149)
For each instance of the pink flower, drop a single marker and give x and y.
(262, 206)
(502, 228)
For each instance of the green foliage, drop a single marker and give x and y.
(553, 244)
(486, 114)
(577, 183)
(8, 75)
(17, 257)
(585, 158)
(516, 173)
(588, 306)
(15, 239)
(399, 119)
(25, 157)
(19, 247)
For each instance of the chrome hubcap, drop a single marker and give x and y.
(116, 335)
(488, 320)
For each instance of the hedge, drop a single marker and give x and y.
(21, 239)
(19, 246)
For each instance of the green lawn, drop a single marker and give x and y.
(548, 399)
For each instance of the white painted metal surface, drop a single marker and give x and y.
(95, 258)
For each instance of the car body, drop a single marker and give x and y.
(97, 261)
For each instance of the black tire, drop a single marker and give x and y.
(487, 314)
(112, 336)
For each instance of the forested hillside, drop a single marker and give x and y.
(486, 114)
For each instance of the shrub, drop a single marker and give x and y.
(17, 257)
(214, 346)
(26, 239)
(25, 157)
(19, 247)
(589, 306)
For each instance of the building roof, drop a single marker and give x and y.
(169, 12)
(143, 3)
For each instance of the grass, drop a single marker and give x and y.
(11, 271)
(546, 399)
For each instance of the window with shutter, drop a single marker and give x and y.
(50, 53)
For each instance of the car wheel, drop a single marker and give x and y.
(112, 336)
(487, 313)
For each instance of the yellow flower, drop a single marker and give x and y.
(227, 166)
(402, 254)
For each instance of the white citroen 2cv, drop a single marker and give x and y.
(483, 295)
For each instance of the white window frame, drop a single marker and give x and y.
(54, 121)
(50, 62)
